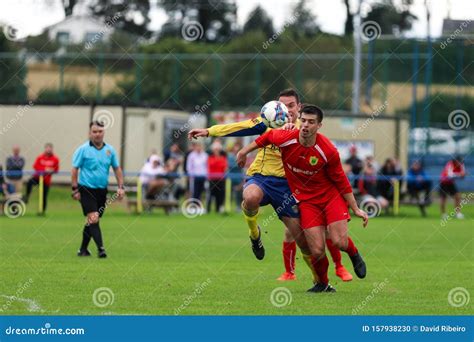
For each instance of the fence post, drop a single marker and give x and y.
(139, 196)
(40, 194)
(228, 195)
(396, 197)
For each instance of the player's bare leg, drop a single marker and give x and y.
(289, 256)
(338, 235)
(457, 205)
(253, 195)
(316, 237)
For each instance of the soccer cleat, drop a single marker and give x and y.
(83, 253)
(102, 253)
(344, 274)
(320, 287)
(359, 265)
(257, 246)
(287, 276)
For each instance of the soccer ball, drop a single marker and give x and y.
(274, 114)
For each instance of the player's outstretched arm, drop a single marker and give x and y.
(237, 129)
(242, 154)
(350, 199)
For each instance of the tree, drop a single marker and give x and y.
(259, 20)
(302, 22)
(68, 6)
(391, 19)
(217, 19)
(349, 25)
(12, 74)
(130, 16)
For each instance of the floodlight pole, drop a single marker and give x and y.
(357, 62)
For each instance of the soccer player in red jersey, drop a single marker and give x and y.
(321, 188)
(452, 171)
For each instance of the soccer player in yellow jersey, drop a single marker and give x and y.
(266, 184)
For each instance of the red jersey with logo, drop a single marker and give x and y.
(314, 173)
(451, 171)
(46, 163)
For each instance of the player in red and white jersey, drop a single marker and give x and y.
(453, 170)
(321, 188)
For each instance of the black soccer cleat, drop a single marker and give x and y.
(358, 263)
(257, 246)
(320, 287)
(83, 253)
(102, 253)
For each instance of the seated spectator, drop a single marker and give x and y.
(367, 186)
(387, 175)
(355, 163)
(174, 153)
(150, 178)
(5, 188)
(418, 182)
(14, 169)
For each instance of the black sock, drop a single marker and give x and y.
(96, 235)
(86, 238)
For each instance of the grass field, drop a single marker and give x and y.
(175, 265)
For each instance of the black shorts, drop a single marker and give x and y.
(93, 200)
(446, 189)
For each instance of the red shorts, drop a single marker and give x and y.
(323, 214)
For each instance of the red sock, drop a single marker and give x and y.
(321, 267)
(289, 254)
(335, 253)
(351, 248)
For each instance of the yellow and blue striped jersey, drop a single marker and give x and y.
(268, 160)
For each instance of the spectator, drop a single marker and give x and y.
(196, 168)
(236, 173)
(5, 188)
(14, 168)
(453, 170)
(369, 160)
(45, 164)
(216, 168)
(176, 154)
(149, 177)
(388, 174)
(367, 185)
(355, 163)
(417, 182)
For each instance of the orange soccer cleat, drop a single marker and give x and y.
(287, 276)
(344, 274)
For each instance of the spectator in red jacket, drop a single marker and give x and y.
(45, 164)
(453, 170)
(216, 167)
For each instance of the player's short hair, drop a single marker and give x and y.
(96, 123)
(48, 145)
(289, 92)
(313, 109)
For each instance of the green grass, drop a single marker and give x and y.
(158, 264)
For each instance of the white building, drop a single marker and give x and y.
(78, 29)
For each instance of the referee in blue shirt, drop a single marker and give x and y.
(94, 159)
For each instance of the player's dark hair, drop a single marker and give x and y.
(48, 145)
(313, 109)
(96, 123)
(289, 92)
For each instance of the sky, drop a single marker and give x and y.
(30, 17)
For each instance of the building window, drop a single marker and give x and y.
(62, 37)
(93, 37)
